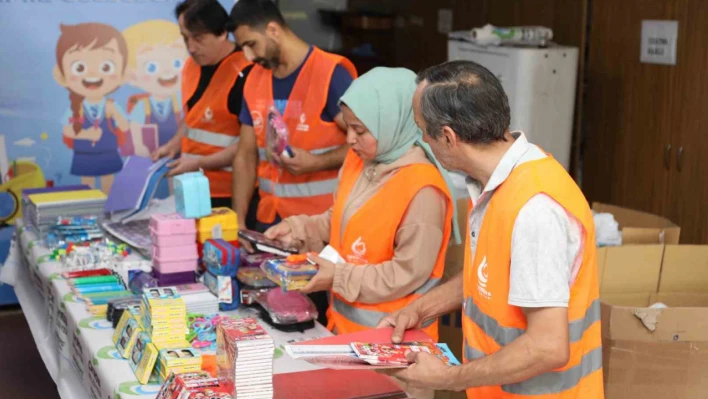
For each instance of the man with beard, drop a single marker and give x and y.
(212, 91)
(303, 84)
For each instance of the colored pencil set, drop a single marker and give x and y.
(96, 288)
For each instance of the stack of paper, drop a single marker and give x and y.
(245, 354)
(165, 317)
(43, 209)
(198, 299)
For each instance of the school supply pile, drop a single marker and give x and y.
(198, 385)
(43, 209)
(198, 298)
(245, 358)
(25, 202)
(222, 262)
(96, 287)
(164, 316)
(174, 249)
(97, 253)
(134, 186)
(177, 361)
(202, 330)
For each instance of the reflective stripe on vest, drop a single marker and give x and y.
(364, 317)
(298, 190)
(317, 151)
(196, 156)
(429, 285)
(504, 335)
(213, 139)
(553, 382)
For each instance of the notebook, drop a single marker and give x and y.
(134, 187)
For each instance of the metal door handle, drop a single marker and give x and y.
(679, 153)
(667, 156)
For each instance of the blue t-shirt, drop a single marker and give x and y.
(341, 79)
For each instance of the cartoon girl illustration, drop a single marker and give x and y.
(91, 60)
(156, 54)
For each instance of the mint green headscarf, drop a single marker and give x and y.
(383, 100)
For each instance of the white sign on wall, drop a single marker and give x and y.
(659, 40)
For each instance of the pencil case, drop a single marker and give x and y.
(221, 258)
(289, 274)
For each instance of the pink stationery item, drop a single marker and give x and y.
(168, 254)
(174, 262)
(171, 224)
(172, 240)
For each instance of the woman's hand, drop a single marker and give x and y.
(324, 279)
(281, 232)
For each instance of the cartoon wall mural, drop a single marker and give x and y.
(156, 53)
(88, 84)
(91, 61)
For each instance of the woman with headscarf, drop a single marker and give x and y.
(393, 212)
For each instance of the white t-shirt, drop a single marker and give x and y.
(546, 244)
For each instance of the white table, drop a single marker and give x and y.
(76, 347)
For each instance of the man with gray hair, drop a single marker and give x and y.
(529, 288)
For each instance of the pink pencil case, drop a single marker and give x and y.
(171, 224)
(174, 260)
(173, 240)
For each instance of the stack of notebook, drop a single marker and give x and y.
(198, 298)
(44, 209)
(247, 353)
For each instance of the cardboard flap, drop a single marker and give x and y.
(630, 268)
(685, 269)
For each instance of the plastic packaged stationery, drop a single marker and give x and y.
(291, 273)
(286, 307)
(255, 259)
(277, 135)
(254, 277)
(224, 288)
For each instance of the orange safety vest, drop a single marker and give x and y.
(211, 127)
(489, 322)
(281, 192)
(369, 238)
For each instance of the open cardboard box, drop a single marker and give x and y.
(643, 238)
(657, 353)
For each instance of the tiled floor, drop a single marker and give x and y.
(22, 371)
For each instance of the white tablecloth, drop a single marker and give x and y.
(76, 347)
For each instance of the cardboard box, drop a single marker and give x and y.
(658, 353)
(637, 262)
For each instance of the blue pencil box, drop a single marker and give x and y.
(192, 198)
(221, 258)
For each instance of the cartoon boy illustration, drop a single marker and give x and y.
(156, 54)
(90, 63)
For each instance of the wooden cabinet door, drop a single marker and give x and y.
(627, 109)
(688, 185)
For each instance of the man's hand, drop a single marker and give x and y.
(167, 150)
(427, 371)
(300, 163)
(402, 320)
(282, 232)
(183, 165)
(323, 280)
(245, 244)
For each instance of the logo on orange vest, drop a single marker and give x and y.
(302, 126)
(482, 279)
(359, 250)
(208, 115)
(257, 121)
